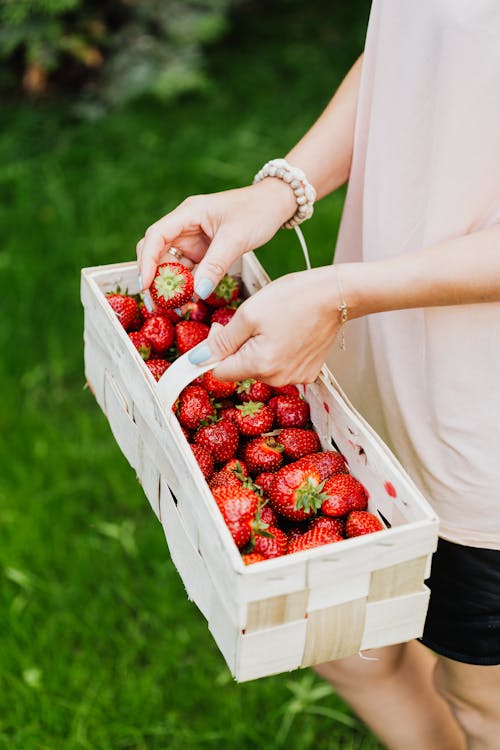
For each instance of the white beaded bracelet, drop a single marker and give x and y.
(305, 194)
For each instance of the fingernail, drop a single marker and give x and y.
(178, 310)
(199, 354)
(139, 281)
(147, 302)
(204, 287)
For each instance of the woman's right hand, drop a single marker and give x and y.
(213, 230)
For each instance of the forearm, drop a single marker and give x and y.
(465, 270)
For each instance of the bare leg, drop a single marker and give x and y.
(473, 693)
(397, 698)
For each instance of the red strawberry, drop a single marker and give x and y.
(252, 557)
(263, 454)
(125, 308)
(197, 311)
(264, 481)
(343, 493)
(160, 331)
(253, 418)
(220, 438)
(285, 390)
(296, 492)
(237, 466)
(362, 522)
(194, 407)
(170, 314)
(137, 322)
(218, 388)
(238, 506)
(228, 412)
(327, 463)
(226, 291)
(224, 478)
(222, 315)
(172, 285)
(254, 390)
(291, 411)
(189, 333)
(271, 546)
(297, 442)
(141, 343)
(205, 460)
(268, 515)
(157, 367)
(313, 538)
(335, 525)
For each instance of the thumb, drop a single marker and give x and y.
(222, 252)
(222, 341)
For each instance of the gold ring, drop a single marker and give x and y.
(176, 253)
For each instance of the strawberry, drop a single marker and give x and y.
(125, 308)
(205, 460)
(170, 314)
(226, 291)
(222, 315)
(315, 537)
(271, 546)
(220, 438)
(160, 332)
(137, 322)
(263, 454)
(254, 390)
(239, 467)
(224, 478)
(291, 411)
(268, 515)
(228, 412)
(197, 311)
(194, 407)
(141, 343)
(157, 367)
(189, 333)
(172, 285)
(238, 506)
(296, 492)
(327, 463)
(343, 493)
(362, 522)
(253, 418)
(218, 388)
(297, 442)
(264, 481)
(335, 525)
(285, 390)
(252, 557)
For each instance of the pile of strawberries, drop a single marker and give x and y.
(276, 489)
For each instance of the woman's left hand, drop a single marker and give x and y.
(281, 334)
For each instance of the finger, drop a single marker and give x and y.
(237, 366)
(222, 252)
(159, 237)
(222, 340)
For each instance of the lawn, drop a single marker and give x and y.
(99, 648)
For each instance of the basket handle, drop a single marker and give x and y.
(180, 373)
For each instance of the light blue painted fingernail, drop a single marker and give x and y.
(199, 354)
(178, 310)
(139, 281)
(148, 304)
(204, 287)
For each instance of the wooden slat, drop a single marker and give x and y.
(396, 580)
(395, 620)
(334, 632)
(267, 613)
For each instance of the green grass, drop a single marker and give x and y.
(99, 647)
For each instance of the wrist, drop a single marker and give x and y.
(277, 194)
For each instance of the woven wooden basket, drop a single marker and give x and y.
(289, 612)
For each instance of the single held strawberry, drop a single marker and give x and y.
(327, 463)
(220, 438)
(222, 315)
(238, 506)
(253, 418)
(298, 442)
(226, 291)
(160, 332)
(291, 411)
(254, 390)
(296, 492)
(197, 311)
(343, 493)
(141, 343)
(273, 543)
(264, 480)
(205, 460)
(315, 537)
(362, 522)
(335, 525)
(172, 286)
(125, 308)
(285, 390)
(252, 557)
(217, 388)
(263, 454)
(157, 367)
(194, 407)
(189, 333)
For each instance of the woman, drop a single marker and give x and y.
(415, 128)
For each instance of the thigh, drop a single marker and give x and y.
(372, 665)
(470, 686)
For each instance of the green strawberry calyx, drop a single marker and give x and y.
(309, 496)
(245, 385)
(169, 282)
(249, 408)
(226, 288)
